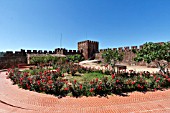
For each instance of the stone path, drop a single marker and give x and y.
(94, 64)
(15, 100)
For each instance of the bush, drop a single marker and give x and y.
(75, 58)
(47, 60)
(53, 82)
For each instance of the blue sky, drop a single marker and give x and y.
(38, 24)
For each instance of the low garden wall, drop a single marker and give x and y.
(7, 62)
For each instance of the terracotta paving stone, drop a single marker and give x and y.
(17, 100)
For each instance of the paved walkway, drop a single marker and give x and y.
(15, 100)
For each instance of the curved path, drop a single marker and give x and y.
(15, 100)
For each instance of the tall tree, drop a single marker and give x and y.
(112, 57)
(154, 52)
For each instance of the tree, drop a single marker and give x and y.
(75, 58)
(154, 52)
(111, 57)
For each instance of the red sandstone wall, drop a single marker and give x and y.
(128, 56)
(8, 62)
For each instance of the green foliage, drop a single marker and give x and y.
(134, 51)
(74, 58)
(153, 52)
(93, 75)
(112, 56)
(46, 59)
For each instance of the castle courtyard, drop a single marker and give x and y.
(16, 100)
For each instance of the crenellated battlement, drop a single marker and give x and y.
(81, 46)
(72, 52)
(89, 49)
(23, 52)
(127, 48)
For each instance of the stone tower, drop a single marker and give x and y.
(88, 48)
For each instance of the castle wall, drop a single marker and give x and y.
(89, 49)
(128, 57)
(12, 59)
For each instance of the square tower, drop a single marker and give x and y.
(88, 48)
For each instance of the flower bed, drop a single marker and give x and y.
(54, 82)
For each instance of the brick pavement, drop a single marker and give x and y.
(16, 100)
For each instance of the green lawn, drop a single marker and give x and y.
(86, 77)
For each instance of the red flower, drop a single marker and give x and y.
(19, 73)
(139, 86)
(28, 87)
(168, 79)
(92, 89)
(40, 73)
(66, 82)
(41, 77)
(43, 80)
(133, 82)
(62, 75)
(157, 80)
(75, 81)
(58, 69)
(45, 72)
(38, 82)
(9, 70)
(50, 87)
(96, 79)
(21, 79)
(81, 86)
(113, 76)
(166, 76)
(117, 81)
(91, 82)
(99, 87)
(106, 65)
(49, 77)
(66, 89)
(50, 82)
(29, 79)
(25, 74)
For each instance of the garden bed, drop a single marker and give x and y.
(68, 79)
